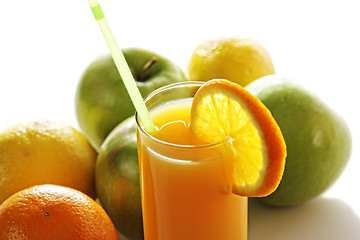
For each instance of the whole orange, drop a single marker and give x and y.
(45, 152)
(54, 212)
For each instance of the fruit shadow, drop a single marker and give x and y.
(321, 218)
(122, 237)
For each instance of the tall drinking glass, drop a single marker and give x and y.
(183, 190)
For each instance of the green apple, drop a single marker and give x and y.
(102, 101)
(318, 140)
(117, 179)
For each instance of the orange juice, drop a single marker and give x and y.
(184, 195)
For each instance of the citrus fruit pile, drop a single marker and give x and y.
(282, 145)
(36, 153)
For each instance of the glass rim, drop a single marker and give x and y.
(149, 136)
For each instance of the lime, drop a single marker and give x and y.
(318, 140)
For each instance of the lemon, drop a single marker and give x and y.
(237, 59)
(45, 152)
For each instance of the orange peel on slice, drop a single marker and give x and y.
(254, 147)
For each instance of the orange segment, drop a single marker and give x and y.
(254, 148)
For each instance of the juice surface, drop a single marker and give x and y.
(172, 121)
(184, 194)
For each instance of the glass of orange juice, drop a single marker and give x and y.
(183, 189)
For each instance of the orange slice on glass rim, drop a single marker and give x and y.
(254, 147)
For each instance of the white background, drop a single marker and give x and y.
(46, 45)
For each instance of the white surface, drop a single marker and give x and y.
(46, 45)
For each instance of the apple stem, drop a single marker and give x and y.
(146, 68)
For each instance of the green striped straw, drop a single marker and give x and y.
(122, 67)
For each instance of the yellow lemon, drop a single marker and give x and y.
(45, 152)
(237, 59)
